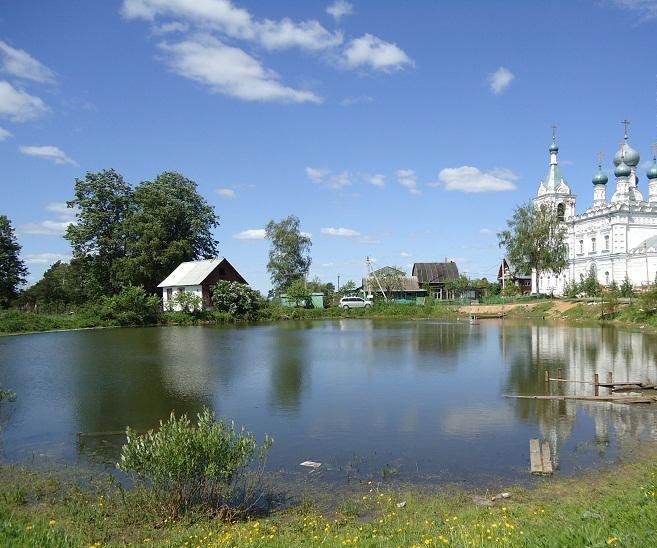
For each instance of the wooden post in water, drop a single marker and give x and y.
(560, 373)
(547, 381)
(596, 383)
(610, 381)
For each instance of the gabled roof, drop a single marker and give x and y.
(389, 271)
(511, 270)
(406, 283)
(191, 273)
(435, 272)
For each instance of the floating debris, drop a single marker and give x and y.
(401, 504)
(311, 464)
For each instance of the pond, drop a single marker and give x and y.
(422, 401)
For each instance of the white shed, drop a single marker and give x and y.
(197, 277)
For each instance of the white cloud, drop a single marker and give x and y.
(339, 9)
(251, 234)
(376, 180)
(317, 174)
(500, 80)
(226, 193)
(168, 28)
(19, 106)
(405, 254)
(48, 152)
(342, 232)
(234, 22)
(324, 177)
(647, 9)
(485, 231)
(45, 258)
(21, 64)
(46, 228)
(260, 234)
(471, 179)
(4, 134)
(340, 180)
(357, 100)
(61, 209)
(308, 35)
(230, 71)
(378, 54)
(408, 179)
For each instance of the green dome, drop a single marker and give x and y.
(652, 171)
(554, 147)
(600, 178)
(622, 170)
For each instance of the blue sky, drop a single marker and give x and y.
(403, 130)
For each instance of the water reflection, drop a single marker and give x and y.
(427, 396)
(580, 353)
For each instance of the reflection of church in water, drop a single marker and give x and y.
(581, 353)
(615, 238)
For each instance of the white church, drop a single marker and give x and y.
(615, 237)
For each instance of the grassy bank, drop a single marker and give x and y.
(613, 507)
(14, 321)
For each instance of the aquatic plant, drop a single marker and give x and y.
(205, 464)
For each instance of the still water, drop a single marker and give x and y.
(415, 400)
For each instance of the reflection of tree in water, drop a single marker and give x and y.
(120, 381)
(289, 367)
(445, 340)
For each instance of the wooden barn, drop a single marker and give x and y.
(434, 275)
(197, 277)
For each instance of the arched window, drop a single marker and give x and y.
(561, 211)
(606, 278)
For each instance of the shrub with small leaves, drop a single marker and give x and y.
(239, 300)
(190, 464)
(133, 306)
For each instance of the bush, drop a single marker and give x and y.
(510, 290)
(239, 300)
(185, 301)
(133, 306)
(188, 465)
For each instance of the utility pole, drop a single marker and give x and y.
(338, 282)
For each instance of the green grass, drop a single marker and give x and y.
(603, 508)
(15, 321)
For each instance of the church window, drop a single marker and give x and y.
(607, 278)
(581, 246)
(561, 212)
(607, 243)
(592, 245)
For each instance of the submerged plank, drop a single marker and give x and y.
(546, 458)
(612, 399)
(535, 461)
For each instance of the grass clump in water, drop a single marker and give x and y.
(188, 465)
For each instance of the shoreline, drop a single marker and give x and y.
(618, 502)
(556, 311)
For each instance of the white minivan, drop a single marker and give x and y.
(354, 302)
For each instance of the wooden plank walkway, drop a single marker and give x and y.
(539, 457)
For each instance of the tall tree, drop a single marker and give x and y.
(289, 256)
(103, 201)
(535, 239)
(12, 268)
(60, 287)
(171, 223)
